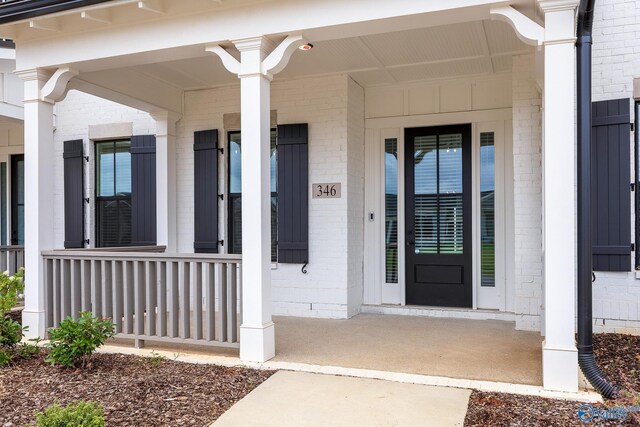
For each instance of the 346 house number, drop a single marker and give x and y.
(326, 190)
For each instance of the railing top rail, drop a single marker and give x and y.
(140, 256)
(145, 249)
(12, 247)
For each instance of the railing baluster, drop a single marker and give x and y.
(197, 300)
(222, 300)
(87, 287)
(66, 289)
(118, 304)
(49, 283)
(162, 297)
(231, 304)
(209, 277)
(174, 305)
(185, 312)
(151, 286)
(139, 298)
(238, 268)
(57, 296)
(128, 297)
(94, 283)
(4, 257)
(105, 278)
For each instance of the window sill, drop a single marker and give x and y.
(274, 265)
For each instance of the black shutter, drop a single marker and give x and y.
(293, 198)
(611, 185)
(205, 174)
(73, 194)
(143, 190)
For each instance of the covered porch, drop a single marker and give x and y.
(189, 85)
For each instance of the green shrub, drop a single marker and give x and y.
(10, 288)
(76, 339)
(76, 414)
(6, 357)
(10, 332)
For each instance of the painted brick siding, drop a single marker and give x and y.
(73, 116)
(323, 104)
(333, 284)
(616, 62)
(527, 173)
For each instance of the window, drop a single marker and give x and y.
(113, 193)
(487, 209)
(391, 209)
(235, 195)
(17, 199)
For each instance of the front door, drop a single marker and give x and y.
(438, 216)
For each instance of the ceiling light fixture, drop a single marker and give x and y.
(306, 46)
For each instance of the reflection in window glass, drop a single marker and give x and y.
(438, 195)
(391, 209)
(113, 193)
(235, 194)
(487, 209)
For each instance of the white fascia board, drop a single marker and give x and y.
(316, 20)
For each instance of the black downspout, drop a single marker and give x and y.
(586, 359)
(636, 174)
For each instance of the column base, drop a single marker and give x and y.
(257, 344)
(560, 368)
(35, 321)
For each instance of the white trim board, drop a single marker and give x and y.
(489, 386)
(442, 312)
(377, 291)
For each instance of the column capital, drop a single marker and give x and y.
(261, 43)
(165, 122)
(557, 5)
(32, 74)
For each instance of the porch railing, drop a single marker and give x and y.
(11, 258)
(173, 298)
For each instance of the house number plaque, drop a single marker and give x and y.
(331, 190)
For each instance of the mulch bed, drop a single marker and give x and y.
(133, 391)
(619, 357)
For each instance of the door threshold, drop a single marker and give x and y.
(444, 312)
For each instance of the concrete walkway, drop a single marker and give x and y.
(307, 400)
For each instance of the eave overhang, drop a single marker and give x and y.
(18, 10)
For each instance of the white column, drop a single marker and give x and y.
(39, 173)
(166, 221)
(257, 339)
(559, 356)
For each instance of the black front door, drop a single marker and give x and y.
(438, 216)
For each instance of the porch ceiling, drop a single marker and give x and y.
(455, 50)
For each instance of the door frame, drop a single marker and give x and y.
(466, 257)
(376, 290)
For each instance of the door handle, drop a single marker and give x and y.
(410, 239)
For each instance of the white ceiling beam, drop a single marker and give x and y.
(484, 41)
(49, 24)
(99, 15)
(381, 66)
(154, 6)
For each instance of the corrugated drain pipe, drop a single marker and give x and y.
(586, 359)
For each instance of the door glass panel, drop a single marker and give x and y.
(487, 209)
(426, 194)
(450, 193)
(391, 209)
(438, 194)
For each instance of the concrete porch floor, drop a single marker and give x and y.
(487, 350)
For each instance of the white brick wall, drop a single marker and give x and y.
(332, 286)
(616, 62)
(527, 174)
(73, 116)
